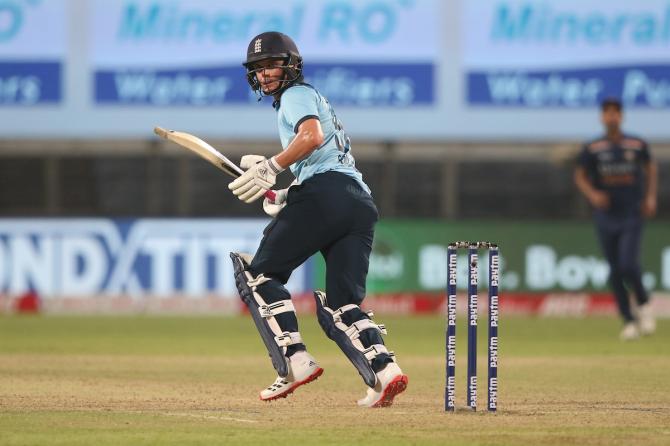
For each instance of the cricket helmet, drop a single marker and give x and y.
(273, 45)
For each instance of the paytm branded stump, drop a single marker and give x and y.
(472, 316)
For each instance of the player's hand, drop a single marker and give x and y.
(649, 206)
(248, 161)
(272, 208)
(260, 177)
(599, 200)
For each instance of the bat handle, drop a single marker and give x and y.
(270, 195)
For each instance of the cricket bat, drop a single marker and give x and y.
(205, 151)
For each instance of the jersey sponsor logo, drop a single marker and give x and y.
(618, 180)
(629, 155)
(632, 144)
(605, 156)
(616, 168)
(599, 145)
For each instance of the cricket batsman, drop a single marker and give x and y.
(328, 209)
(618, 177)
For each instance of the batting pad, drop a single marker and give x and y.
(275, 339)
(347, 337)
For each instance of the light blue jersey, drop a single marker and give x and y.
(302, 102)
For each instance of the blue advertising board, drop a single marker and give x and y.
(409, 70)
(190, 52)
(569, 54)
(32, 48)
(150, 257)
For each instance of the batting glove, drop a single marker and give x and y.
(248, 161)
(260, 177)
(272, 208)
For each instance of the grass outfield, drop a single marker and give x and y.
(182, 381)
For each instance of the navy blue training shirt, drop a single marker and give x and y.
(617, 168)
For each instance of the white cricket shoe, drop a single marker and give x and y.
(390, 382)
(629, 332)
(302, 370)
(647, 322)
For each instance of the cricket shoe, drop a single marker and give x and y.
(302, 370)
(630, 332)
(646, 321)
(390, 382)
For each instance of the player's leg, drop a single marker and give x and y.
(287, 242)
(272, 310)
(609, 234)
(346, 323)
(346, 270)
(629, 258)
(609, 238)
(629, 264)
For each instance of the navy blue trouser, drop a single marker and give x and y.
(620, 239)
(329, 213)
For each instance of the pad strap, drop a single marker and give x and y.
(268, 311)
(276, 339)
(354, 330)
(347, 337)
(374, 350)
(337, 314)
(255, 281)
(286, 339)
(272, 310)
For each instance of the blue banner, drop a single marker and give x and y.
(374, 84)
(150, 257)
(30, 83)
(204, 86)
(643, 86)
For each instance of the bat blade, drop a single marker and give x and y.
(200, 148)
(205, 151)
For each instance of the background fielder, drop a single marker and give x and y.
(329, 210)
(619, 179)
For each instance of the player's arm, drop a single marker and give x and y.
(597, 198)
(308, 139)
(261, 173)
(651, 189)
